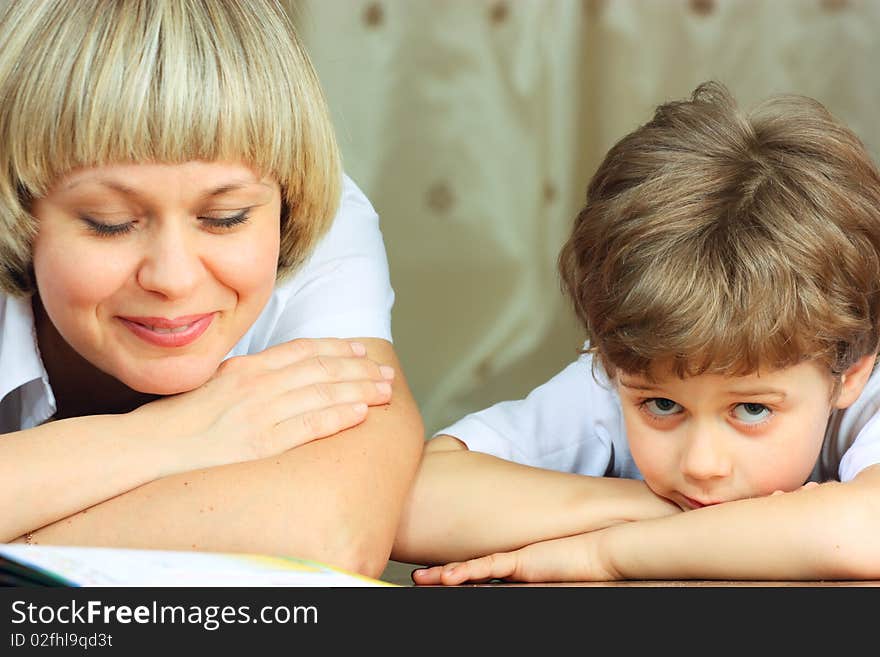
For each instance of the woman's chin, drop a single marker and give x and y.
(164, 385)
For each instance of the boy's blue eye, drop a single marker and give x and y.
(662, 406)
(751, 413)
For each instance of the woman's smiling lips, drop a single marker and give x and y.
(164, 332)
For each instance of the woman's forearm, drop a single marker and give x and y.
(63, 467)
(466, 504)
(336, 499)
(828, 532)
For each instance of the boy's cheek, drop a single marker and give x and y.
(656, 464)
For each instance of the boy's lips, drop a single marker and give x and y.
(697, 504)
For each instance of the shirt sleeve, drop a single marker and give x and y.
(864, 451)
(566, 424)
(344, 289)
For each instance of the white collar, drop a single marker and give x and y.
(20, 361)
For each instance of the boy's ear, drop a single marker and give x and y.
(853, 380)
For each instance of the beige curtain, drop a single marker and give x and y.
(473, 126)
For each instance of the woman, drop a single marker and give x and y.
(192, 292)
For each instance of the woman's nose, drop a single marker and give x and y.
(171, 265)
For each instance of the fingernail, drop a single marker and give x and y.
(386, 371)
(358, 349)
(383, 387)
(360, 409)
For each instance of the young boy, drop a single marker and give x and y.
(721, 422)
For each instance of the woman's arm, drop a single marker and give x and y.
(54, 470)
(254, 407)
(830, 531)
(336, 500)
(466, 504)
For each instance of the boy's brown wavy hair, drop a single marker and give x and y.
(718, 241)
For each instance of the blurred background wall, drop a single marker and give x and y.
(474, 125)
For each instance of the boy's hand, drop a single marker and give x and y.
(809, 484)
(569, 559)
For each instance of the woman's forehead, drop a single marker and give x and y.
(205, 177)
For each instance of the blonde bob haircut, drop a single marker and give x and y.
(96, 82)
(717, 241)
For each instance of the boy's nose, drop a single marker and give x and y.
(705, 456)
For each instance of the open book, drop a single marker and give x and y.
(52, 565)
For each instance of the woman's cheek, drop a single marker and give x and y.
(249, 265)
(81, 275)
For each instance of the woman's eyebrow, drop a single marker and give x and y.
(232, 187)
(131, 192)
(112, 184)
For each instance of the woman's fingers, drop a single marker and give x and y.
(325, 395)
(309, 426)
(323, 409)
(323, 370)
(297, 351)
(263, 404)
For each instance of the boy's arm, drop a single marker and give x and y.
(831, 531)
(466, 504)
(336, 500)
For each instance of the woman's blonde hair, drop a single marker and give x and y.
(96, 82)
(718, 241)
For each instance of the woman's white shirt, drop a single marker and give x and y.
(342, 290)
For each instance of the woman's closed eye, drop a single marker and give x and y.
(107, 229)
(114, 229)
(226, 221)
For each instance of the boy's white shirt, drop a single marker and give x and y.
(574, 423)
(343, 290)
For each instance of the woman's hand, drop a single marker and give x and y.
(263, 404)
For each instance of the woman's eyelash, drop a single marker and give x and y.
(107, 230)
(228, 222)
(112, 230)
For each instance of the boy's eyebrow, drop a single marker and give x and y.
(635, 385)
(744, 392)
(758, 392)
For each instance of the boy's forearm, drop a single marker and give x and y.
(466, 504)
(828, 532)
